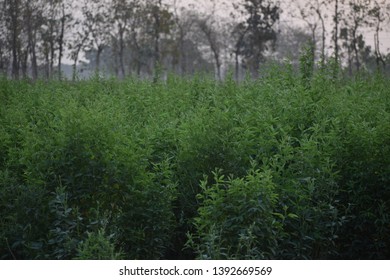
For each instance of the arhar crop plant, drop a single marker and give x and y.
(279, 167)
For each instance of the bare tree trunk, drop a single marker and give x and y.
(1, 59)
(156, 9)
(318, 11)
(156, 45)
(15, 61)
(75, 59)
(313, 43)
(24, 62)
(350, 70)
(182, 54)
(98, 54)
(52, 53)
(137, 48)
(336, 35)
(355, 48)
(33, 57)
(61, 41)
(237, 52)
(74, 69)
(15, 42)
(208, 32)
(121, 51)
(116, 57)
(47, 60)
(217, 62)
(237, 65)
(75, 55)
(378, 54)
(31, 25)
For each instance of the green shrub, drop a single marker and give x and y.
(123, 164)
(237, 218)
(97, 246)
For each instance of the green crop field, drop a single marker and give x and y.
(280, 167)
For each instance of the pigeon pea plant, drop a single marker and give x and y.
(293, 165)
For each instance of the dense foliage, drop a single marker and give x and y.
(283, 167)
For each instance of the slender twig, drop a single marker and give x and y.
(9, 248)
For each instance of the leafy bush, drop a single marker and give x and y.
(129, 166)
(97, 246)
(237, 219)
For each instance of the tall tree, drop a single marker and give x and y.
(305, 13)
(319, 7)
(33, 20)
(124, 18)
(4, 46)
(208, 26)
(336, 30)
(13, 14)
(336, 20)
(354, 21)
(313, 14)
(97, 23)
(211, 36)
(346, 44)
(160, 22)
(380, 13)
(239, 30)
(65, 17)
(50, 33)
(184, 22)
(77, 43)
(260, 19)
(238, 34)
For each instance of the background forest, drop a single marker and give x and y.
(148, 38)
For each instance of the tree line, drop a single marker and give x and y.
(151, 37)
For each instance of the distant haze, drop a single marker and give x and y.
(287, 7)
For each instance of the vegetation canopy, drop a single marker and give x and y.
(293, 165)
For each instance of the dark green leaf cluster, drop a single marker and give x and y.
(274, 168)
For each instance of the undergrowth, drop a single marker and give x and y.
(288, 166)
